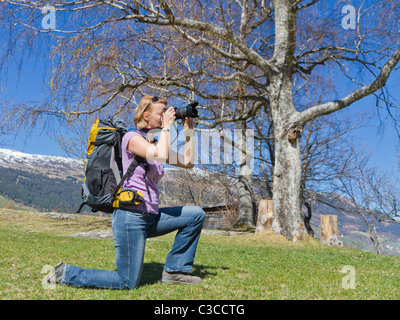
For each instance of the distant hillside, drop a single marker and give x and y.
(39, 191)
(45, 183)
(9, 204)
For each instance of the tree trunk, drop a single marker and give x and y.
(265, 216)
(307, 218)
(287, 170)
(286, 188)
(246, 209)
(329, 231)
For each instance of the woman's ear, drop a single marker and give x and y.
(146, 116)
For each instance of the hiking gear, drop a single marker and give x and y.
(56, 274)
(179, 277)
(102, 185)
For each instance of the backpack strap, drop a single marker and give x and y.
(145, 163)
(136, 162)
(146, 169)
(80, 207)
(143, 133)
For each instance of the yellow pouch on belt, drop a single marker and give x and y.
(127, 197)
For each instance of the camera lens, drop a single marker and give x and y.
(189, 111)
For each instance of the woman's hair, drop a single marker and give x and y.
(145, 104)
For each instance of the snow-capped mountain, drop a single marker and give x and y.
(50, 165)
(62, 166)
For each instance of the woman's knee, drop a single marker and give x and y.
(132, 283)
(130, 286)
(202, 214)
(198, 214)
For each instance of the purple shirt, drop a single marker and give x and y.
(136, 180)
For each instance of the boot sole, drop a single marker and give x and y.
(170, 281)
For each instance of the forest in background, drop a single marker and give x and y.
(39, 191)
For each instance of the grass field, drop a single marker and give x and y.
(232, 267)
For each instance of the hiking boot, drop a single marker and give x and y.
(56, 274)
(179, 277)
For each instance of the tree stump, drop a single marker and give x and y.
(265, 214)
(329, 231)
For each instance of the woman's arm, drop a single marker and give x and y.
(159, 152)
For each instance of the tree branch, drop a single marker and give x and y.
(210, 29)
(326, 108)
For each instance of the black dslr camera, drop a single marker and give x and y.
(189, 111)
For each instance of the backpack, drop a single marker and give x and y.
(102, 185)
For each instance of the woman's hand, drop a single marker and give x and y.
(168, 118)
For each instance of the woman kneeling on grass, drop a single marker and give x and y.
(130, 226)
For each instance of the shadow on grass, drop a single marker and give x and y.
(152, 272)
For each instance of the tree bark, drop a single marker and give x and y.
(329, 231)
(265, 216)
(307, 218)
(287, 169)
(286, 187)
(246, 208)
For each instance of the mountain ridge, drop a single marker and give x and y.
(45, 164)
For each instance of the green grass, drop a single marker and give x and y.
(232, 267)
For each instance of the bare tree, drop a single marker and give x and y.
(266, 45)
(325, 142)
(357, 182)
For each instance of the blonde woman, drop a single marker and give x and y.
(130, 227)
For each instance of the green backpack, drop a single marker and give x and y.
(102, 185)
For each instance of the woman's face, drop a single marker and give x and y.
(154, 116)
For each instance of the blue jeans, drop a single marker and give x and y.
(130, 231)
